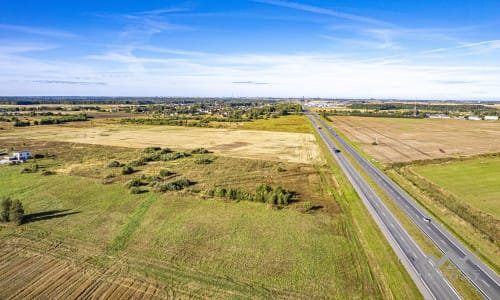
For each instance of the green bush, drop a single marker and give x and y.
(4, 213)
(263, 193)
(202, 161)
(151, 149)
(114, 164)
(308, 205)
(12, 211)
(16, 213)
(135, 190)
(165, 151)
(200, 151)
(173, 186)
(47, 173)
(137, 163)
(166, 173)
(133, 183)
(127, 170)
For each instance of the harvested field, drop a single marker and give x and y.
(32, 275)
(402, 140)
(277, 146)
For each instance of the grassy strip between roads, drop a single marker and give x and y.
(455, 277)
(394, 281)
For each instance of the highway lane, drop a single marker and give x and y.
(478, 273)
(430, 281)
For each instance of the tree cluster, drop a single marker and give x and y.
(12, 211)
(263, 193)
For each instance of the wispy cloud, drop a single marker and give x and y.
(251, 82)
(323, 11)
(38, 31)
(13, 47)
(69, 82)
(483, 45)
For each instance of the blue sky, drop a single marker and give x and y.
(356, 49)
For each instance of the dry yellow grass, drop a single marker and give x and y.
(276, 146)
(415, 139)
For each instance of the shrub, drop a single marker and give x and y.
(47, 172)
(16, 213)
(34, 168)
(135, 190)
(202, 161)
(137, 162)
(173, 186)
(127, 170)
(25, 171)
(133, 183)
(166, 173)
(165, 151)
(4, 213)
(200, 151)
(114, 164)
(173, 156)
(308, 205)
(151, 149)
(263, 193)
(281, 169)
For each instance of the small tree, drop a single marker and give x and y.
(16, 213)
(127, 170)
(4, 214)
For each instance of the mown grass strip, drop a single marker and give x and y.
(120, 242)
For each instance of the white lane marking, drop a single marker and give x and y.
(485, 283)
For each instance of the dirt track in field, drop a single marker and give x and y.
(277, 146)
(415, 139)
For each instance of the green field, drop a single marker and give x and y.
(193, 245)
(291, 123)
(473, 181)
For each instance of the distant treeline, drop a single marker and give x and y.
(437, 108)
(47, 121)
(128, 100)
(379, 114)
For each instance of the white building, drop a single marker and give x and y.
(438, 116)
(17, 157)
(22, 155)
(474, 118)
(491, 118)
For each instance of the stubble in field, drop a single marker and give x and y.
(402, 140)
(276, 146)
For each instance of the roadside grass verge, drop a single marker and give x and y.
(393, 279)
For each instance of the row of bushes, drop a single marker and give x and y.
(263, 193)
(177, 185)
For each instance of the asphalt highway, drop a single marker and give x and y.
(478, 273)
(430, 281)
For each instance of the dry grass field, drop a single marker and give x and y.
(403, 140)
(255, 144)
(89, 237)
